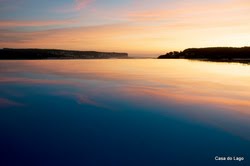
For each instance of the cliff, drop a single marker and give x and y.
(7, 53)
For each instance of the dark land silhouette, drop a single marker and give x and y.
(8, 53)
(212, 53)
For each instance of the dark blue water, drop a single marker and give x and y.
(88, 113)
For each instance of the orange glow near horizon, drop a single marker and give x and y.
(139, 30)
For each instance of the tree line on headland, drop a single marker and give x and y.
(8, 53)
(211, 53)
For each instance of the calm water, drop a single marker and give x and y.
(123, 113)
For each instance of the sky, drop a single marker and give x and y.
(138, 27)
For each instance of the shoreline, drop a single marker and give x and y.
(34, 54)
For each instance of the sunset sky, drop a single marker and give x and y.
(139, 27)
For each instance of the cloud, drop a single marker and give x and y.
(180, 11)
(226, 112)
(31, 81)
(8, 103)
(182, 97)
(33, 23)
(81, 4)
(74, 6)
(79, 97)
(82, 38)
(82, 99)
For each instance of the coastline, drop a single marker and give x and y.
(38, 54)
(213, 54)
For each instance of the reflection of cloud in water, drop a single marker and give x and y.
(187, 97)
(82, 99)
(215, 93)
(226, 113)
(22, 80)
(8, 103)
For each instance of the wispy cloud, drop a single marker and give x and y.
(82, 99)
(81, 4)
(34, 23)
(8, 103)
(31, 81)
(74, 6)
(180, 11)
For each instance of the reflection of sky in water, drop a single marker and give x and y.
(137, 111)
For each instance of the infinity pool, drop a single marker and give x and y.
(135, 112)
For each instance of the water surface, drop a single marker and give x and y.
(123, 112)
